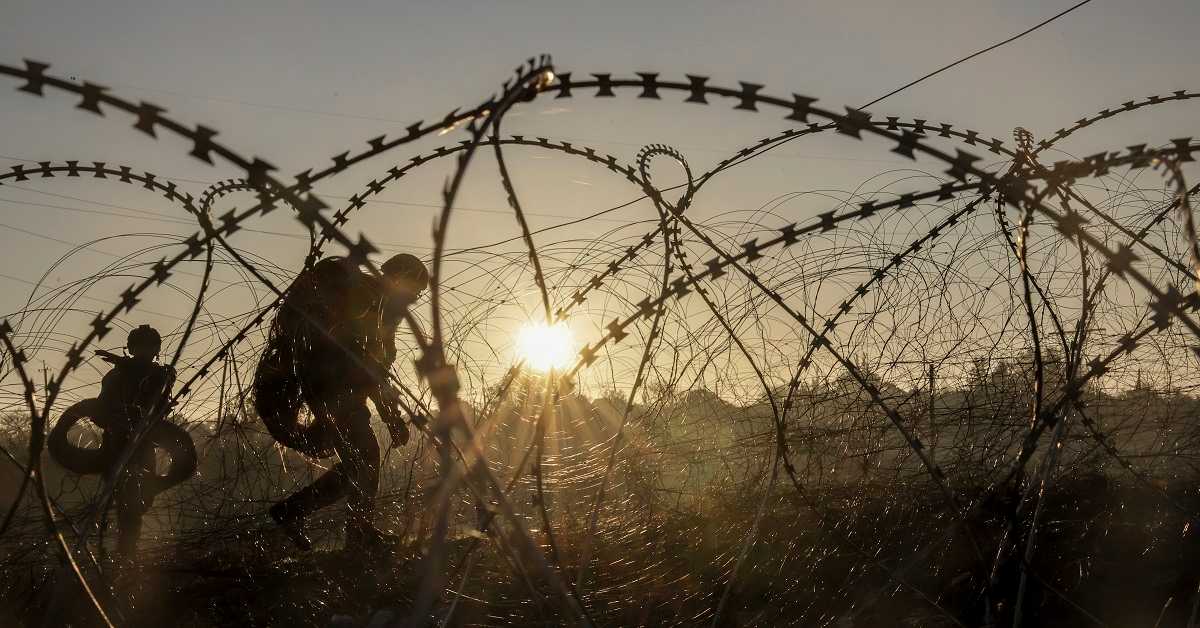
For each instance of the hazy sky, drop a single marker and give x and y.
(404, 61)
(398, 59)
(297, 82)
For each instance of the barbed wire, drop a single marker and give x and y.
(711, 402)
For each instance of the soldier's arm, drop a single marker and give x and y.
(155, 390)
(387, 402)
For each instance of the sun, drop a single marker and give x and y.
(545, 347)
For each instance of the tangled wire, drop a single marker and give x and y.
(952, 398)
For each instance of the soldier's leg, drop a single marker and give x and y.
(132, 497)
(324, 491)
(129, 522)
(359, 451)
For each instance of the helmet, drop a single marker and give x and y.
(408, 270)
(144, 340)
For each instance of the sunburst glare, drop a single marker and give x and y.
(544, 347)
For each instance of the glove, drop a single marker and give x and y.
(399, 432)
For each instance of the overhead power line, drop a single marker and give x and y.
(972, 56)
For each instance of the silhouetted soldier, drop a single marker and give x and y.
(133, 392)
(331, 347)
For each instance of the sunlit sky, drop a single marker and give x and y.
(298, 82)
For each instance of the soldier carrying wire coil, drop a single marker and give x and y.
(330, 348)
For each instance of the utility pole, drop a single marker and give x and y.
(932, 424)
